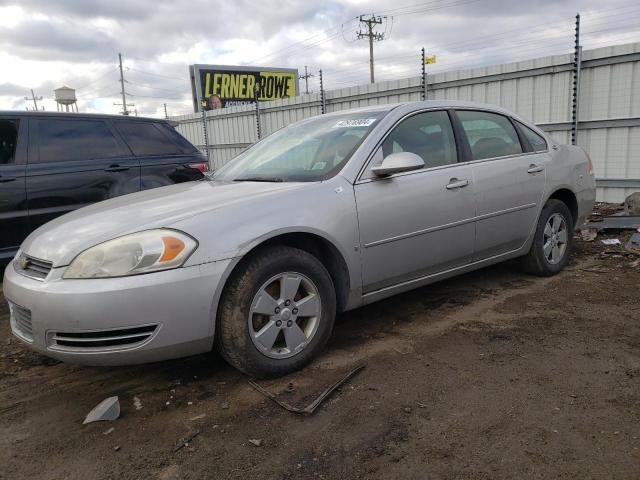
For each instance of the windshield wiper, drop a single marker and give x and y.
(258, 179)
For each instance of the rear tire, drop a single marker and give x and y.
(553, 241)
(276, 312)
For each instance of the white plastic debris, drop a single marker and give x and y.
(137, 403)
(107, 410)
(611, 241)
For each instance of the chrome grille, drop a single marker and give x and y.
(101, 340)
(33, 267)
(21, 321)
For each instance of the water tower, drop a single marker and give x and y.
(65, 98)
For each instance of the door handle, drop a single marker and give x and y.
(455, 183)
(116, 168)
(533, 168)
(7, 179)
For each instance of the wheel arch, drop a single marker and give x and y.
(313, 243)
(566, 195)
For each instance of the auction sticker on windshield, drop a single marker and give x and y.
(359, 122)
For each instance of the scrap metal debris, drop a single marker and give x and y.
(184, 442)
(107, 410)
(255, 442)
(616, 222)
(634, 242)
(309, 409)
(611, 241)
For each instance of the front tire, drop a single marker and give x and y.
(276, 312)
(553, 241)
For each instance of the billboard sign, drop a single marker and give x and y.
(221, 86)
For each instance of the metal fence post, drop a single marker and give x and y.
(424, 76)
(258, 125)
(577, 65)
(206, 136)
(323, 107)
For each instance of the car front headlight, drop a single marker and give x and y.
(133, 254)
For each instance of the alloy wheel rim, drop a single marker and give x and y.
(284, 315)
(555, 237)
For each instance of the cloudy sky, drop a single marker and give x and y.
(47, 43)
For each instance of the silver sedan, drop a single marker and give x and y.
(323, 216)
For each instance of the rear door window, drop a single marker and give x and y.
(537, 141)
(490, 134)
(75, 139)
(146, 138)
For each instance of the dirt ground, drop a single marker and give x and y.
(491, 375)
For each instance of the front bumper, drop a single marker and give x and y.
(116, 321)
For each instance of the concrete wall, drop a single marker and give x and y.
(537, 89)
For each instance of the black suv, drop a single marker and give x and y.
(52, 163)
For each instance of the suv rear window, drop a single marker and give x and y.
(146, 138)
(63, 140)
(174, 135)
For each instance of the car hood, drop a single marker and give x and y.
(60, 240)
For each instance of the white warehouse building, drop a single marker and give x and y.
(539, 89)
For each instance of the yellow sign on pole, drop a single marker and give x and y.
(429, 59)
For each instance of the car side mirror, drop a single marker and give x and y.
(398, 162)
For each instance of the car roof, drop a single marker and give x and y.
(22, 113)
(424, 105)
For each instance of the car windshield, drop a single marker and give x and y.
(307, 151)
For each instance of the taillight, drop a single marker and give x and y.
(589, 162)
(203, 167)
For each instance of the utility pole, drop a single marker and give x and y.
(306, 78)
(128, 105)
(166, 116)
(35, 100)
(124, 99)
(370, 23)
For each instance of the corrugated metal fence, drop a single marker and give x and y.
(537, 89)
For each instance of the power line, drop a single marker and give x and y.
(430, 7)
(153, 96)
(155, 74)
(151, 87)
(98, 79)
(328, 32)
